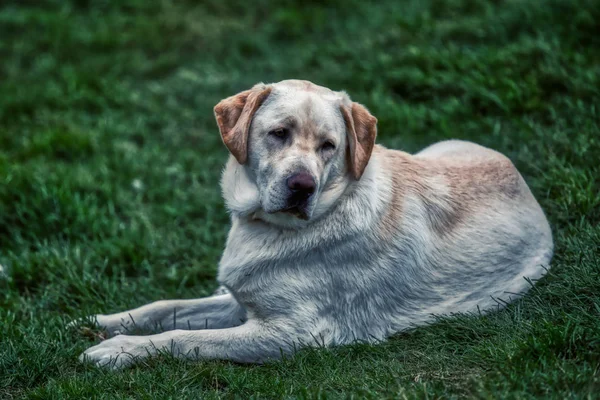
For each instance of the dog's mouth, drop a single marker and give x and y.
(297, 207)
(297, 211)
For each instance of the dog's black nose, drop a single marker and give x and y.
(301, 183)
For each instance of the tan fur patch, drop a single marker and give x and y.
(391, 218)
(308, 136)
(449, 189)
(234, 115)
(362, 130)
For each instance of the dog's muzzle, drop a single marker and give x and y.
(301, 188)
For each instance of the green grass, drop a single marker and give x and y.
(110, 162)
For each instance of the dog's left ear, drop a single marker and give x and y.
(361, 127)
(234, 115)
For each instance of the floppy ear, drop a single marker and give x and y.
(234, 115)
(361, 127)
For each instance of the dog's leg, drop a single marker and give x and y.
(215, 312)
(253, 342)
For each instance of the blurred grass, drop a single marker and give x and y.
(110, 161)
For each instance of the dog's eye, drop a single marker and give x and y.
(281, 133)
(328, 146)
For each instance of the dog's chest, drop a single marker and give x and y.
(260, 261)
(272, 270)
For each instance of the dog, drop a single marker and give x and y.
(335, 239)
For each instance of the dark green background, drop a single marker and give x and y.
(110, 162)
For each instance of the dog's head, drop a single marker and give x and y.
(300, 145)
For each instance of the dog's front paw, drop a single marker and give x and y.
(118, 352)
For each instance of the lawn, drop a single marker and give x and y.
(110, 162)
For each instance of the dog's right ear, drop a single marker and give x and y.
(234, 115)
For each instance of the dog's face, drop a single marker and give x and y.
(296, 149)
(301, 144)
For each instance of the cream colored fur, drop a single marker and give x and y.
(452, 229)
